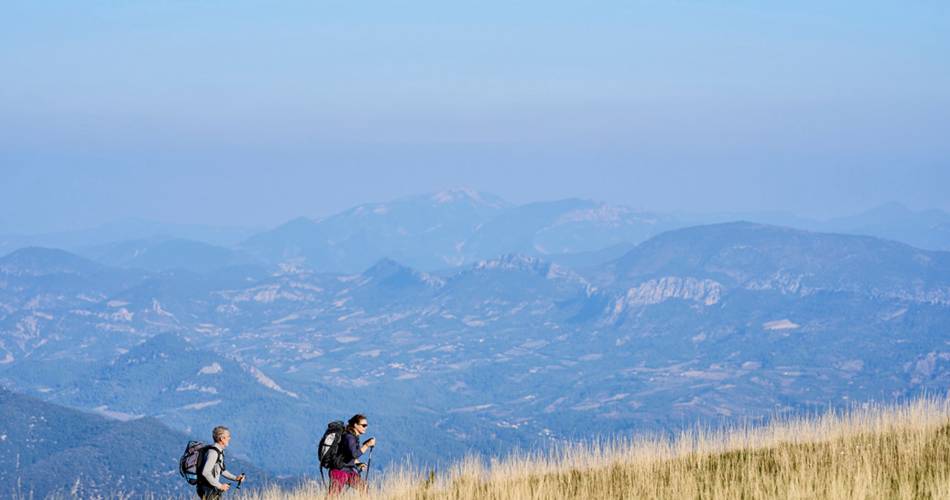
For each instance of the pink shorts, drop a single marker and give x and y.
(340, 479)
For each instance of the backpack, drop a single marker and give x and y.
(328, 449)
(188, 463)
(193, 459)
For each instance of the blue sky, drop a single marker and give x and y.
(250, 113)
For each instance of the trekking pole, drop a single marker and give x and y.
(369, 461)
(240, 481)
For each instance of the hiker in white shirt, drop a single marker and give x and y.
(212, 467)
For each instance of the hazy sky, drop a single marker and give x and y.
(250, 113)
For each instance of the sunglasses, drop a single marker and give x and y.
(363, 425)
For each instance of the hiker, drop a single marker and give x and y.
(349, 452)
(212, 468)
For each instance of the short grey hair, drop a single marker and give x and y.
(219, 433)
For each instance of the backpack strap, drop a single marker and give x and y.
(220, 453)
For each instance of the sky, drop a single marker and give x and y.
(250, 113)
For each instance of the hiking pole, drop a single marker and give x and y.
(241, 480)
(369, 461)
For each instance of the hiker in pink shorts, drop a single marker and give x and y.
(350, 451)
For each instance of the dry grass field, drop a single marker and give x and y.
(868, 453)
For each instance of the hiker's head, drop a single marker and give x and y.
(221, 435)
(357, 424)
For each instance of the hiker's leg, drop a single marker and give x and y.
(338, 481)
(356, 482)
(203, 492)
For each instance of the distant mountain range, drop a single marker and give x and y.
(167, 254)
(450, 229)
(125, 230)
(49, 450)
(926, 229)
(708, 324)
(441, 231)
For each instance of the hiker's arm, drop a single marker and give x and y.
(208, 470)
(368, 444)
(228, 475)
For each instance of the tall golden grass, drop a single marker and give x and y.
(868, 453)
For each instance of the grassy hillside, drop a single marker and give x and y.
(898, 452)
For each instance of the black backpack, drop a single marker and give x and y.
(328, 449)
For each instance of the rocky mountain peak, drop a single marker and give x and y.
(468, 195)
